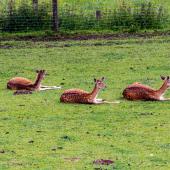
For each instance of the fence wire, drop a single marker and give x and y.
(17, 15)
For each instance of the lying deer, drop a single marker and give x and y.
(81, 96)
(138, 91)
(26, 86)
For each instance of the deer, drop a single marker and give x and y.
(25, 86)
(138, 91)
(83, 97)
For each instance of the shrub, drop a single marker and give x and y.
(150, 16)
(24, 18)
(125, 17)
(122, 17)
(143, 16)
(71, 18)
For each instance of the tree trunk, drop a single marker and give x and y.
(55, 15)
(35, 6)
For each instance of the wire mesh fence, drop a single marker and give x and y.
(17, 15)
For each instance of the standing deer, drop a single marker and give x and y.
(81, 96)
(26, 86)
(137, 91)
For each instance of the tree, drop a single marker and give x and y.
(55, 15)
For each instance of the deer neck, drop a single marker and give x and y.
(95, 92)
(37, 83)
(162, 89)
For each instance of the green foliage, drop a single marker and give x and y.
(24, 18)
(150, 16)
(143, 16)
(123, 17)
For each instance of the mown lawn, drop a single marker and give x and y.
(38, 132)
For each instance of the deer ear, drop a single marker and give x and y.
(95, 80)
(163, 77)
(103, 79)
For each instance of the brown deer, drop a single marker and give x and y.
(26, 86)
(81, 96)
(137, 91)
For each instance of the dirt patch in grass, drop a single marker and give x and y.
(64, 37)
(5, 46)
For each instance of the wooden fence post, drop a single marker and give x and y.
(55, 20)
(35, 6)
(10, 7)
(98, 15)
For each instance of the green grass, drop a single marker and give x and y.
(88, 5)
(133, 134)
(92, 4)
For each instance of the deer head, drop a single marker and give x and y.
(166, 80)
(41, 74)
(99, 83)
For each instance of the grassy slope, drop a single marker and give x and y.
(133, 134)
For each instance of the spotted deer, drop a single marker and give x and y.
(83, 97)
(26, 86)
(138, 91)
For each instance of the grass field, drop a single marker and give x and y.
(39, 132)
(89, 4)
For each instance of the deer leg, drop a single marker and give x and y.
(42, 86)
(104, 101)
(49, 88)
(99, 100)
(166, 99)
(115, 102)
